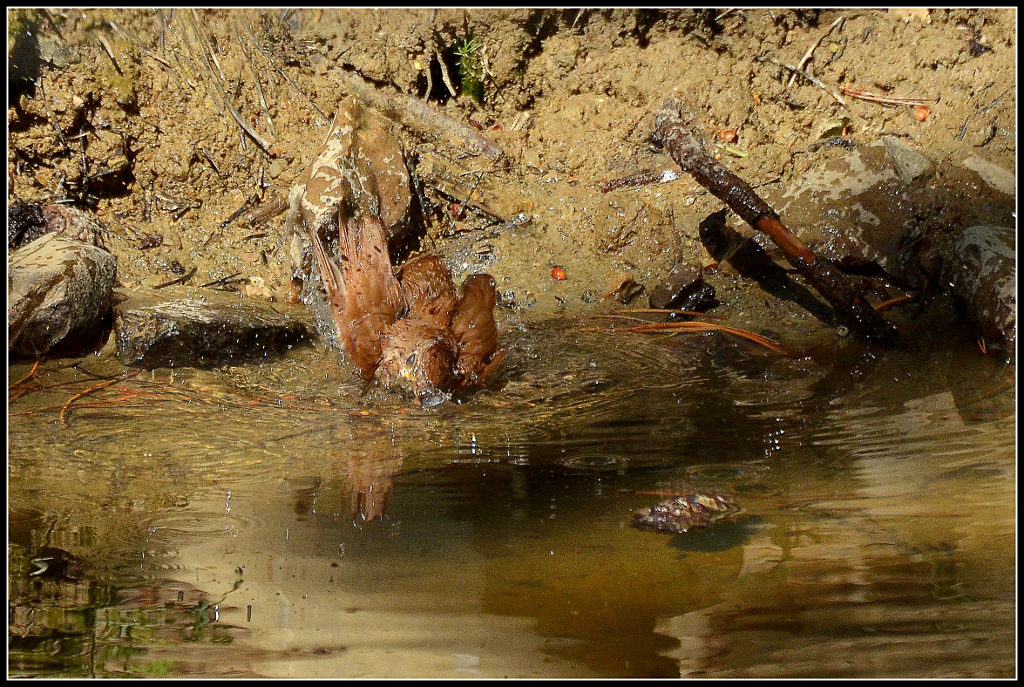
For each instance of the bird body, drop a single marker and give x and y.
(411, 331)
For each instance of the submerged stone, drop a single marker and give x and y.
(996, 177)
(685, 512)
(200, 332)
(855, 206)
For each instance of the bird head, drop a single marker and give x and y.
(419, 360)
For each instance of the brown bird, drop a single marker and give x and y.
(414, 333)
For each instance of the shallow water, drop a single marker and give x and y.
(284, 521)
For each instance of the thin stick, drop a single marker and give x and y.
(813, 79)
(180, 280)
(810, 50)
(223, 281)
(647, 176)
(688, 152)
(187, 39)
(110, 53)
(885, 305)
(444, 75)
(259, 86)
(887, 100)
(675, 311)
(622, 317)
(245, 25)
(223, 95)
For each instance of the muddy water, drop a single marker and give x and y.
(285, 521)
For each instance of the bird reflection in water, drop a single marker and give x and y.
(361, 479)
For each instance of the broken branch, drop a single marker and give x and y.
(687, 150)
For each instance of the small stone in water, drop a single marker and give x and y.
(682, 513)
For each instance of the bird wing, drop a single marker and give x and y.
(429, 291)
(474, 328)
(373, 297)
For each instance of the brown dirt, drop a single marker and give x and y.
(569, 96)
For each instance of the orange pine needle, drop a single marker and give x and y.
(24, 379)
(712, 327)
(885, 305)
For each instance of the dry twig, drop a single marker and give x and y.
(886, 100)
(814, 46)
(688, 152)
(813, 79)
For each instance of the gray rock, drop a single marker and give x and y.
(995, 176)
(60, 293)
(910, 165)
(979, 266)
(55, 52)
(154, 331)
(855, 205)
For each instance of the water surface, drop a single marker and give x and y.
(283, 520)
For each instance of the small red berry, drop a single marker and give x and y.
(922, 113)
(727, 135)
(558, 273)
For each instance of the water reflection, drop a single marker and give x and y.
(285, 522)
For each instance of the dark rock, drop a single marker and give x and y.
(153, 331)
(685, 512)
(60, 294)
(979, 266)
(28, 221)
(910, 165)
(684, 289)
(25, 223)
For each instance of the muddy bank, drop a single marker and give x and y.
(185, 131)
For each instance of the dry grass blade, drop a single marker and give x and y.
(215, 77)
(814, 46)
(813, 79)
(887, 100)
(713, 327)
(248, 31)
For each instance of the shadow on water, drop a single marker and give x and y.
(282, 521)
